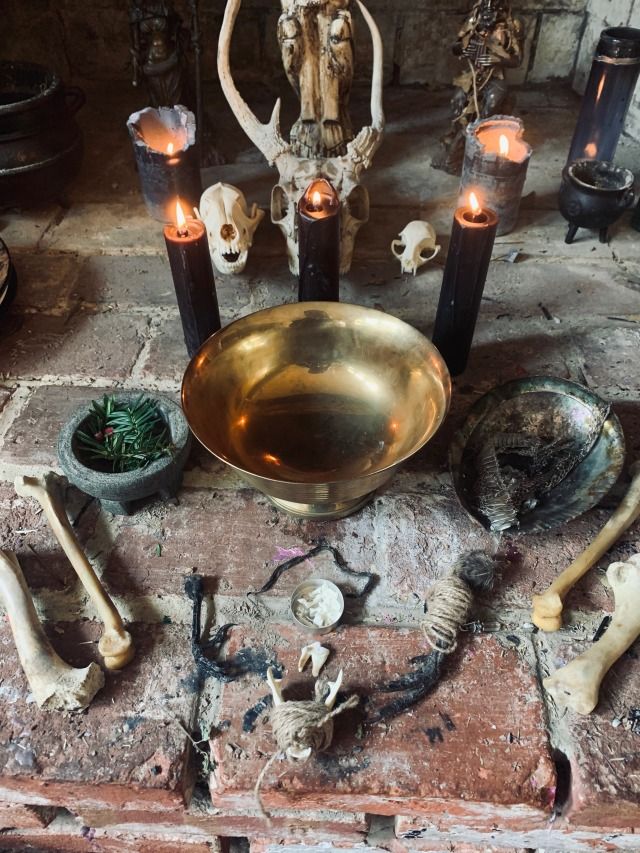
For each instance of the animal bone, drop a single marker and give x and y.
(415, 240)
(230, 226)
(115, 646)
(296, 173)
(577, 684)
(55, 685)
(334, 688)
(274, 685)
(318, 654)
(547, 607)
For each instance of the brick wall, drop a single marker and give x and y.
(91, 41)
(601, 14)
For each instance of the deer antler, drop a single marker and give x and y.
(266, 137)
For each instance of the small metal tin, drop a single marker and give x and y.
(303, 589)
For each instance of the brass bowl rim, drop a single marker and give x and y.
(447, 390)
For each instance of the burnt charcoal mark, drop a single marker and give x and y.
(251, 716)
(513, 639)
(449, 725)
(337, 768)
(256, 662)
(602, 627)
(191, 683)
(434, 735)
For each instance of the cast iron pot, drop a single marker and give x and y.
(40, 142)
(116, 491)
(594, 194)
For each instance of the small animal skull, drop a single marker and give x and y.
(417, 239)
(230, 226)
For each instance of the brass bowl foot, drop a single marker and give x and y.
(322, 511)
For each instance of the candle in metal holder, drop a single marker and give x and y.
(8, 279)
(319, 243)
(465, 272)
(606, 100)
(495, 166)
(164, 144)
(594, 194)
(190, 261)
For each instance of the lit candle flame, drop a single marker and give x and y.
(474, 203)
(170, 148)
(504, 145)
(590, 150)
(181, 220)
(316, 199)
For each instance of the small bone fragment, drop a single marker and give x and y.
(274, 685)
(547, 607)
(115, 646)
(577, 684)
(334, 688)
(318, 654)
(55, 685)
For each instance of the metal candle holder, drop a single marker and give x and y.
(498, 179)
(606, 100)
(164, 144)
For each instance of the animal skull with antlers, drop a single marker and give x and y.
(296, 173)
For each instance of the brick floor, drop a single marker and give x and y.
(95, 309)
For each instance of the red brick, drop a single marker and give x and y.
(604, 759)
(66, 835)
(475, 770)
(24, 529)
(45, 280)
(289, 845)
(92, 346)
(107, 229)
(446, 845)
(611, 359)
(166, 357)
(126, 751)
(201, 819)
(17, 816)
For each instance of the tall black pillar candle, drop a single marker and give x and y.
(319, 243)
(465, 271)
(190, 261)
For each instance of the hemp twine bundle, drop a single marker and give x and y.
(301, 725)
(449, 602)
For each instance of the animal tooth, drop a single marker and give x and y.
(318, 654)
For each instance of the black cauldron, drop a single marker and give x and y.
(40, 142)
(593, 194)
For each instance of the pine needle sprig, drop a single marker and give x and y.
(125, 436)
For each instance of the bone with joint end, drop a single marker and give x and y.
(115, 645)
(547, 607)
(334, 688)
(577, 685)
(55, 685)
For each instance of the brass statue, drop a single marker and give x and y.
(316, 42)
(490, 40)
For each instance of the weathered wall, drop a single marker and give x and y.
(91, 40)
(601, 14)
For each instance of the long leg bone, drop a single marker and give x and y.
(274, 685)
(56, 686)
(577, 684)
(115, 646)
(334, 688)
(547, 607)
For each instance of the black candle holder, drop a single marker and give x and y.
(497, 178)
(164, 145)
(594, 194)
(612, 80)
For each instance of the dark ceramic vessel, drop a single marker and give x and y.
(116, 491)
(594, 194)
(40, 142)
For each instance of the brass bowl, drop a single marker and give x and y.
(316, 403)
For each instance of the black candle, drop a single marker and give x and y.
(319, 243)
(8, 279)
(465, 271)
(190, 261)
(164, 145)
